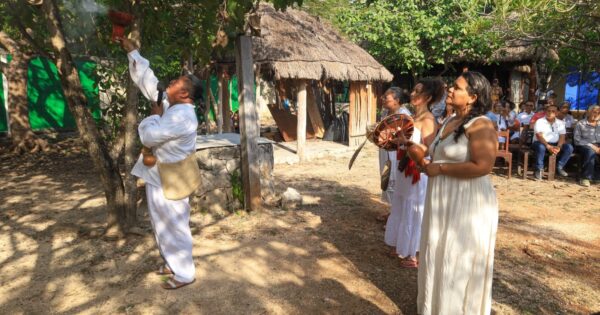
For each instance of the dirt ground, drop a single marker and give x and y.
(326, 257)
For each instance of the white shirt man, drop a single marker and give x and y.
(550, 136)
(550, 131)
(171, 133)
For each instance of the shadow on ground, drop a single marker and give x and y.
(327, 257)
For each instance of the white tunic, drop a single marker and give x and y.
(171, 136)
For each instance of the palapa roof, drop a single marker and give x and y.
(295, 45)
(522, 50)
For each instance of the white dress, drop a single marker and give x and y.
(459, 232)
(387, 195)
(403, 228)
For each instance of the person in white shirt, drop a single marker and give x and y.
(502, 119)
(393, 101)
(523, 119)
(525, 116)
(564, 114)
(550, 135)
(170, 131)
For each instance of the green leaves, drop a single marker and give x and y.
(413, 35)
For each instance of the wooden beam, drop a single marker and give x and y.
(224, 95)
(301, 114)
(352, 111)
(218, 106)
(249, 130)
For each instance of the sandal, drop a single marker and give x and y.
(409, 263)
(164, 270)
(172, 284)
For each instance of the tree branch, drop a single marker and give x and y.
(26, 35)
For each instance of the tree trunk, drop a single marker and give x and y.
(131, 147)
(88, 131)
(23, 138)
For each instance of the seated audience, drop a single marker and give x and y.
(587, 143)
(564, 114)
(550, 135)
(524, 118)
(503, 120)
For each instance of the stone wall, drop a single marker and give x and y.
(221, 190)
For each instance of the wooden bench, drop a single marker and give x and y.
(504, 152)
(525, 151)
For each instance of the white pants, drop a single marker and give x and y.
(171, 223)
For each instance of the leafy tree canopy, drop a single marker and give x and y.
(571, 27)
(414, 35)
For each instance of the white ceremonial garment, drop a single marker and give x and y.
(170, 222)
(403, 227)
(172, 138)
(386, 196)
(456, 251)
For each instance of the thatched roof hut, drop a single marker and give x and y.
(522, 50)
(296, 45)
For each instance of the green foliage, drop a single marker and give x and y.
(414, 35)
(571, 27)
(237, 186)
(171, 32)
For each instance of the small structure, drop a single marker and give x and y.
(303, 58)
(219, 156)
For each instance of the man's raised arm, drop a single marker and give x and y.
(139, 69)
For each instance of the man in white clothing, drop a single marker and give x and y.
(170, 131)
(550, 135)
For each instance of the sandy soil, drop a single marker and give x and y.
(327, 257)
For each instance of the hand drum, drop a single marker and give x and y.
(389, 129)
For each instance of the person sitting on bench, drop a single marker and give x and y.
(550, 135)
(587, 143)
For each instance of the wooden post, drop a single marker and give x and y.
(301, 114)
(218, 107)
(224, 95)
(249, 131)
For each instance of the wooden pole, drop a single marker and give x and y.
(248, 123)
(224, 95)
(218, 106)
(301, 114)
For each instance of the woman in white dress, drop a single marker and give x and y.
(394, 99)
(403, 229)
(461, 210)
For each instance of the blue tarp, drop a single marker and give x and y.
(582, 90)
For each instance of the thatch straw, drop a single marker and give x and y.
(296, 45)
(518, 51)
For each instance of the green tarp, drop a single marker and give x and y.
(233, 96)
(47, 106)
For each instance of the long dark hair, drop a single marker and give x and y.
(433, 87)
(478, 85)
